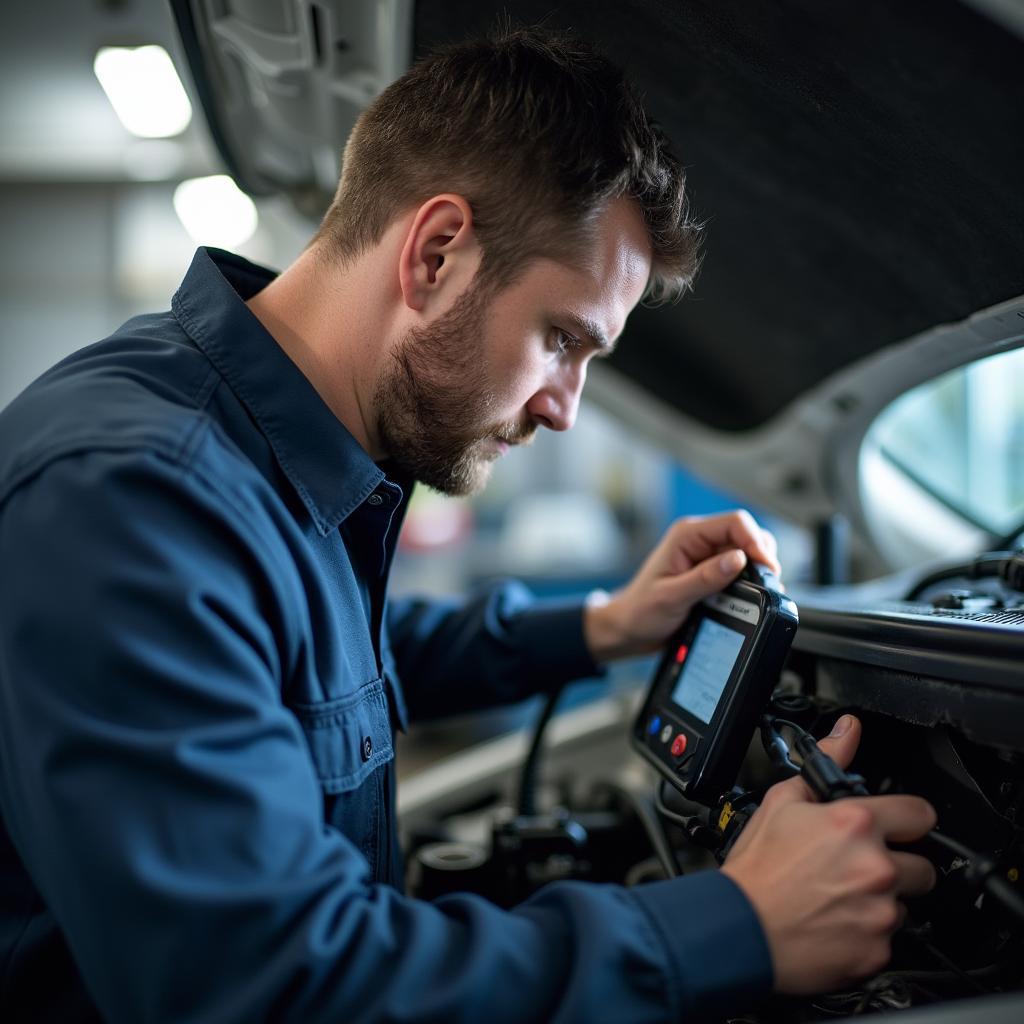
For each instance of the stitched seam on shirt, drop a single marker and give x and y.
(363, 772)
(215, 484)
(182, 458)
(190, 442)
(179, 456)
(192, 326)
(206, 389)
(238, 385)
(106, 443)
(654, 926)
(328, 711)
(380, 756)
(312, 721)
(160, 446)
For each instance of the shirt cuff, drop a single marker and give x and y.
(716, 946)
(550, 632)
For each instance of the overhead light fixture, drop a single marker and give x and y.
(215, 211)
(144, 90)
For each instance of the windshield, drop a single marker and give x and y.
(960, 439)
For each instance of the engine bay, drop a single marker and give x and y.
(934, 676)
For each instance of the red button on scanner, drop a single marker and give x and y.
(678, 745)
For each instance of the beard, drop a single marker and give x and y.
(435, 403)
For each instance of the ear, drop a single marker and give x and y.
(440, 255)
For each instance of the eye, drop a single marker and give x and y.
(564, 342)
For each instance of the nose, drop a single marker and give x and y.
(556, 404)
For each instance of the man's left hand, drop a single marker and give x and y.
(698, 556)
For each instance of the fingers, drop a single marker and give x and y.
(702, 537)
(901, 819)
(707, 578)
(915, 875)
(741, 529)
(714, 573)
(770, 544)
(897, 818)
(891, 819)
(902, 914)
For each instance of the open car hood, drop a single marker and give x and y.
(859, 165)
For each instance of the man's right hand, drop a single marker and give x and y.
(822, 880)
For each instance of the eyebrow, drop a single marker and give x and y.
(592, 332)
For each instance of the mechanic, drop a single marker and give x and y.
(200, 674)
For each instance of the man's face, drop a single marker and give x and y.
(458, 392)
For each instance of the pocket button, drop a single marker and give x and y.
(367, 748)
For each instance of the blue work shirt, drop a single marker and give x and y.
(200, 678)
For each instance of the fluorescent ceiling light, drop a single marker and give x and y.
(215, 211)
(144, 90)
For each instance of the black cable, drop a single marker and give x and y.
(982, 873)
(829, 782)
(527, 803)
(663, 809)
(775, 743)
(1007, 564)
(825, 778)
(946, 961)
(952, 844)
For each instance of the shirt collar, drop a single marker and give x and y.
(331, 472)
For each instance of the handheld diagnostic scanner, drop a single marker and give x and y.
(713, 682)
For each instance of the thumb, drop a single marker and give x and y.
(710, 576)
(842, 742)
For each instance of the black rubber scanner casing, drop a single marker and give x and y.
(712, 753)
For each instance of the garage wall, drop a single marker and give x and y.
(77, 260)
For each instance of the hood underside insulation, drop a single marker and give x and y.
(858, 163)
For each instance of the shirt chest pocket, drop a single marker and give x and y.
(350, 742)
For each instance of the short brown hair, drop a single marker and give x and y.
(538, 132)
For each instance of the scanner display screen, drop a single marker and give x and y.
(707, 664)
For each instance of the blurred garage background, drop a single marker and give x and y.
(108, 182)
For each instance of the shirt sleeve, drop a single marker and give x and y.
(499, 646)
(165, 804)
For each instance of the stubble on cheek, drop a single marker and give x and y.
(435, 404)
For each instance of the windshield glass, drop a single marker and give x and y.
(960, 438)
